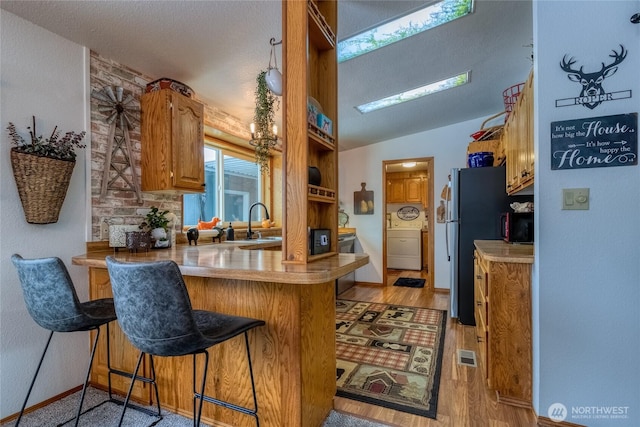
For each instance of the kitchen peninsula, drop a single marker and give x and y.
(293, 355)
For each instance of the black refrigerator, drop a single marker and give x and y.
(478, 197)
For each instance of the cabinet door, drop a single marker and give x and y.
(413, 190)
(187, 143)
(395, 191)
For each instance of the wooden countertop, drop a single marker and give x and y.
(501, 251)
(229, 261)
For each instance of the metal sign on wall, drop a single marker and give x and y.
(595, 142)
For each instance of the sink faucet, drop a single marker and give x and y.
(249, 232)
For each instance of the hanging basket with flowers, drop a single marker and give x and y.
(42, 168)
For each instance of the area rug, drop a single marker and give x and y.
(390, 355)
(409, 282)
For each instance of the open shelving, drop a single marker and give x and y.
(310, 70)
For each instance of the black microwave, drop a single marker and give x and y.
(517, 227)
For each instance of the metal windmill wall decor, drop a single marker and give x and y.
(121, 118)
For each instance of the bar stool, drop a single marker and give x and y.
(53, 304)
(155, 313)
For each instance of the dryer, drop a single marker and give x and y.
(404, 248)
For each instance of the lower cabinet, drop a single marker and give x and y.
(502, 295)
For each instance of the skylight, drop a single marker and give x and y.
(412, 94)
(403, 27)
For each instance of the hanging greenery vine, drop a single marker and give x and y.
(264, 117)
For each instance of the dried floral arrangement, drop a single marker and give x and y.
(55, 147)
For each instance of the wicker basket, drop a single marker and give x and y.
(42, 185)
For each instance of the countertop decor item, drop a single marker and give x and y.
(42, 169)
(157, 223)
(264, 132)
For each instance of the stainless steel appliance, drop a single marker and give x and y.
(346, 245)
(478, 198)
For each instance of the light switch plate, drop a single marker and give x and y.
(575, 198)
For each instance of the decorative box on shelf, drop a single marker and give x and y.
(312, 113)
(325, 124)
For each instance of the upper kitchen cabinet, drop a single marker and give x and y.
(407, 187)
(172, 136)
(310, 71)
(517, 138)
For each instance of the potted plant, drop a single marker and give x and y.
(42, 168)
(263, 137)
(157, 223)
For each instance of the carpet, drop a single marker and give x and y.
(390, 355)
(109, 413)
(409, 282)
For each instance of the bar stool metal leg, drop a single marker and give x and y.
(33, 381)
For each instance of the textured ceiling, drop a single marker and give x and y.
(218, 48)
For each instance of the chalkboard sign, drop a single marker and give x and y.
(595, 142)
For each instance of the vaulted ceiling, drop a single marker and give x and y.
(219, 47)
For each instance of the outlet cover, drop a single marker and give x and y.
(575, 199)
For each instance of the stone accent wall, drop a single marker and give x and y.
(120, 205)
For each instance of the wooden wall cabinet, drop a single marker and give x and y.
(517, 138)
(407, 187)
(172, 135)
(310, 69)
(502, 295)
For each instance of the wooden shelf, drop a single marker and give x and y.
(321, 194)
(320, 32)
(321, 139)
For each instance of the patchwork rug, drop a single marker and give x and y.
(409, 282)
(390, 355)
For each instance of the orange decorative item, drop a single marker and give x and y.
(208, 225)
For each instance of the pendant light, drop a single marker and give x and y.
(273, 76)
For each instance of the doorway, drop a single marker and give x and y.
(408, 203)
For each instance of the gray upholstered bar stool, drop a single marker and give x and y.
(52, 302)
(155, 313)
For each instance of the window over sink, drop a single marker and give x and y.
(232, 183)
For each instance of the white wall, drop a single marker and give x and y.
(42, 75)
(587, 285)
(448, 147)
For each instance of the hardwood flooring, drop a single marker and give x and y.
(463, 400)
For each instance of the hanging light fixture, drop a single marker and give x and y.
(273, 76)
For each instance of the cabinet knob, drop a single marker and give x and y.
(480, 339)
(204, 184)
(478, 277)
(479, 303)
(524, 174)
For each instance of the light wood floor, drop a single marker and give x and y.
(463, 400)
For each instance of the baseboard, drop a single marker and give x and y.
(42, 404)
(548, 422)
(370, 284)
(441, 290)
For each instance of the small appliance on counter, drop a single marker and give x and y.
(319, 241)
(517, 227)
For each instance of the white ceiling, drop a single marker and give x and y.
(219, 47)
